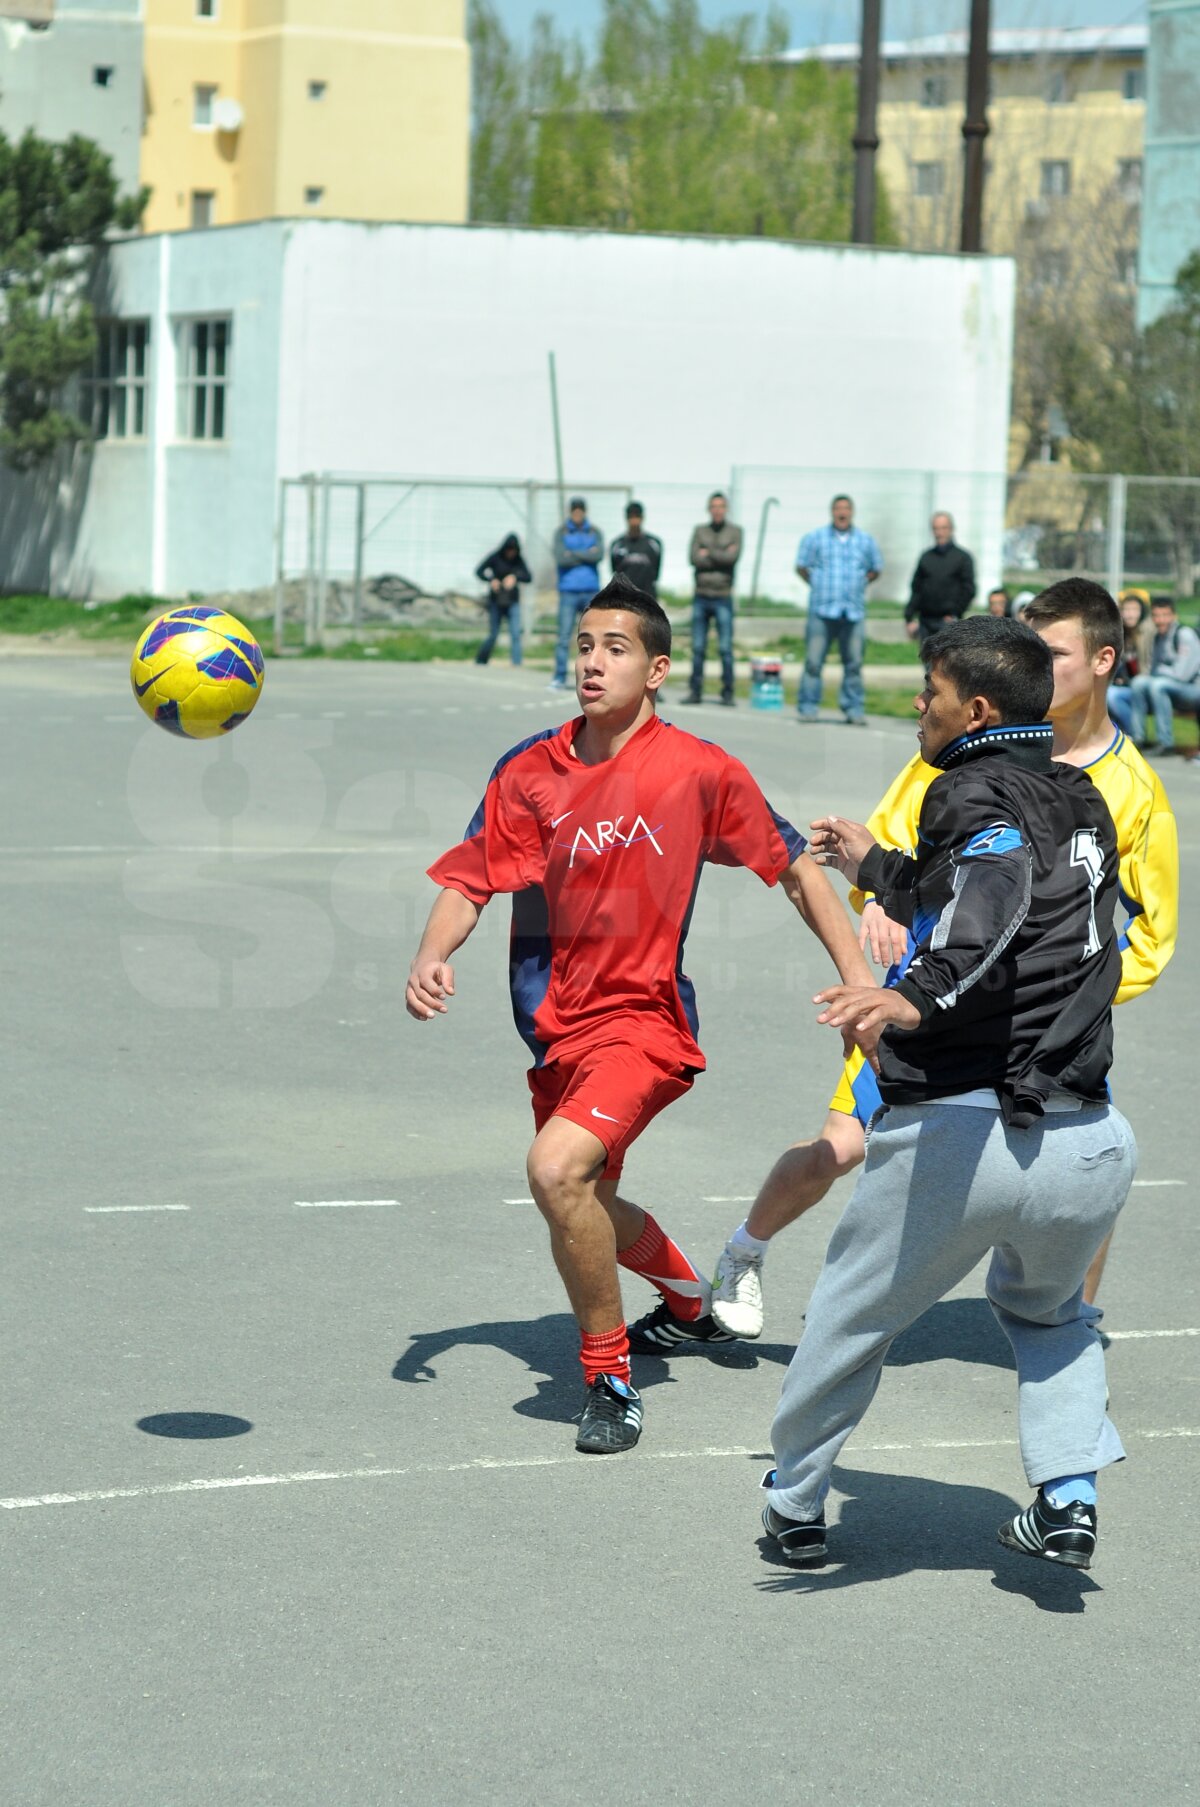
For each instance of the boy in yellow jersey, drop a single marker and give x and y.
(1082, 626)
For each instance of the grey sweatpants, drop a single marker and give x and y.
(943, 1184)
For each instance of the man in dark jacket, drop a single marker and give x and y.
(636, 553)
(715, 549)
(997, 1133)
(943, 585)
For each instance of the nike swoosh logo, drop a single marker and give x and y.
(605, 1115)
(141, 689)
(562, 818)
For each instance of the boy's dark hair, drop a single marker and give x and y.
(653, 626)
(1079, 599)
(997, 658)
(1163, 602)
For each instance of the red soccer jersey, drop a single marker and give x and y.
(604, 861)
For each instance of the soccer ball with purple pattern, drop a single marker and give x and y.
(197, 672)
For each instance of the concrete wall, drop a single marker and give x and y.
(425, 350)
(47, 81)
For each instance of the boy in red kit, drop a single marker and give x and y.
(599, 830)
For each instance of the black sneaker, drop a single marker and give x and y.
(611, 1419)
(660, 1332)
(797, 1540)
(1059, 1533)
(691, 697)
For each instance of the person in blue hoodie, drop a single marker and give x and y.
(578, 549)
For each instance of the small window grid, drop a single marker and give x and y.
(1127, 271)
(206, 9)
(1129, 178)
(313, 197)
(317, 90)
(116, 387)
(928, 180)
(103, 75)
(933, 91)
(1133, 84)
(204, 209)
(1056, 88)
(201, 410)
(204, 96)
(1056, 178)
(1050, 269)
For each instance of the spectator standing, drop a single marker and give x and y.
(636, 553)
(1173, 681)
(998, 603)
(503, 571)
(578, 549)
(943, 584)
(714, 552)
(837, 562)
(1134, 660)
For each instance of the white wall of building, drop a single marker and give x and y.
(422, 350)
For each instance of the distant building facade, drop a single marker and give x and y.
(1067, 113)
(260, 109)
(1171, 223)
(75, 66)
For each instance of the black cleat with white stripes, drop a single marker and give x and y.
(660, 1332)
(1065, 1534)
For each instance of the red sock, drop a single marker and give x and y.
(605, 1354)
(657, 1259)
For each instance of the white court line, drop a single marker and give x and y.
(99, 1210)
(221, 1483)
(516, 1201)
(344, 1204)
(1141, 1336)
(1160, 1182)
(734, 1198)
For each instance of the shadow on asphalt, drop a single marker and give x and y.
(963, 1330)
(891, 1525)
(549, 1346)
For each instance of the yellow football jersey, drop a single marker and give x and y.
(1147, 841)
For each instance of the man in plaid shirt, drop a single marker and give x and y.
(837, 562)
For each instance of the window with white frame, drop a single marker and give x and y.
(204, 96)
(1133, 84)
(933, 91)
(116, 385)
(202, 352)
(1056, 178)
(1127, 269)
(1056, 88)
(204, 209)
(1129, 178)
(928, 179)
(206, 9)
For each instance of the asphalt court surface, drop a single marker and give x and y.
(244, 1194)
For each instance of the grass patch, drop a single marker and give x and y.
(410, 647)
(878, 652)
(54, 614)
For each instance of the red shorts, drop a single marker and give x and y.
(613, 1091)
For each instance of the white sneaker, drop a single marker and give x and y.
(737, 1301)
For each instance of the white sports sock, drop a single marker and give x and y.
(742, 1239)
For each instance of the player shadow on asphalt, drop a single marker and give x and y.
(963, 1330)
(893, 1524)
(550, 1346)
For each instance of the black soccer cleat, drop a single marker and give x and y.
(611, 1419)
(1065, 1534)
(801, 1541)
(660, 1332)
(796, 1541)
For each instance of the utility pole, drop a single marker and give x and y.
(866, 138)
(975, 129)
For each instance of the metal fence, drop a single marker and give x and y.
(350, 547)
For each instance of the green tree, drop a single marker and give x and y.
(665, 125)
(500, 121)
(57, 203)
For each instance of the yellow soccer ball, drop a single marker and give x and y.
(197, 672)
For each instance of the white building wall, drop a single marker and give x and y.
(422, 350)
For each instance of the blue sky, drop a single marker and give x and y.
(836, 21)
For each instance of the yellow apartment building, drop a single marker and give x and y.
(1064, 154)
(352, 109)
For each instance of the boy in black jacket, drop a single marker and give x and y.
(996, 1131)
